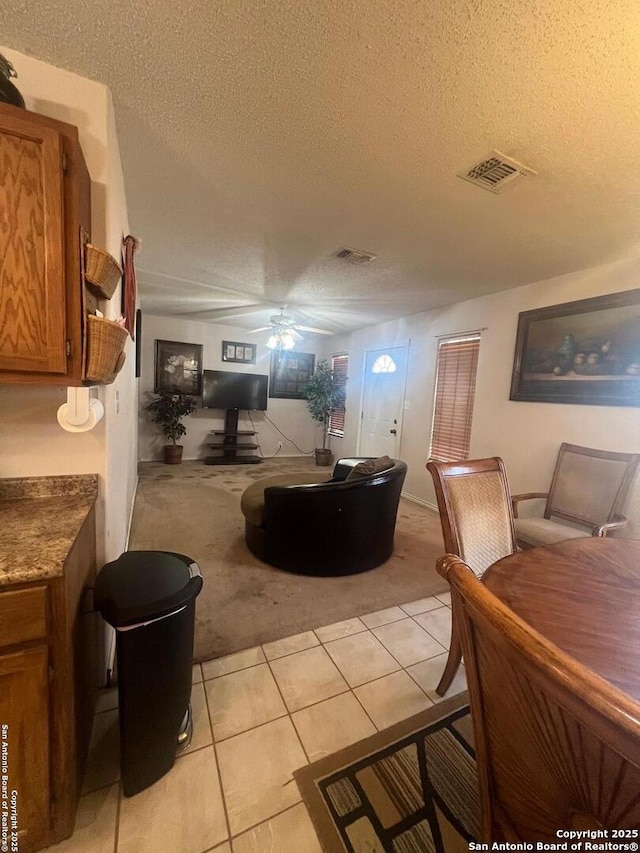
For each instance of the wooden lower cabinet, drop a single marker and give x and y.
(48, 687)
(25, 790)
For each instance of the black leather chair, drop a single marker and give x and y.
(337, 527)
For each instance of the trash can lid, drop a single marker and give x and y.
(143, 585)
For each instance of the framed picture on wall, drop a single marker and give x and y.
(178, 368)
(290, 371)
(584, 352)
(238, 352)
(138, 342)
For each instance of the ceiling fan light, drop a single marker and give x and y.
(282, 339)
(287, 340)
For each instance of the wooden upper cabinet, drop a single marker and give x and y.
(32, 288)
(44, 201)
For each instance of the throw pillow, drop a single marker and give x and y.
(370, 466)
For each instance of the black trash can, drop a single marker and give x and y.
(149, 598)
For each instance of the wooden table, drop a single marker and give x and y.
(584, 596)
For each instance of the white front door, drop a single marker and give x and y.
(384, 382)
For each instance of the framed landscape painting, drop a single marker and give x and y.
(290, 371)
(585, 352)
(178, 368)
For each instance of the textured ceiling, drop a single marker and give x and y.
(258, 137)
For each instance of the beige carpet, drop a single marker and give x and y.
(411, 788)
(194, 509)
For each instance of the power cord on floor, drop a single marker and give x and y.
(286, 437)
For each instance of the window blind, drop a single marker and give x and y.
(340, 367)
(456, 369)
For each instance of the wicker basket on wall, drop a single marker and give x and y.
(101, 271)
(104, 348)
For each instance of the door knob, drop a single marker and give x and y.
(393, 431)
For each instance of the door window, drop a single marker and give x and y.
(384, 364)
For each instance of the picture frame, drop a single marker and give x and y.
(138, 340)
(239, 352)
(178, 368)
(290, 371)
(585, 352)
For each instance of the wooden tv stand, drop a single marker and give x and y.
(229, 444)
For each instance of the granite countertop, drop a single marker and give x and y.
(40, 518)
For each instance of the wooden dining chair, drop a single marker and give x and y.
(556, 745)
(586, 496)
(477, 524)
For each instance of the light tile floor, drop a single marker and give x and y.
(259, 715)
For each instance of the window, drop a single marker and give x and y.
(340, 367)
(453, 404)
(384, 364)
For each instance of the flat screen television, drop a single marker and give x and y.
(223, 389)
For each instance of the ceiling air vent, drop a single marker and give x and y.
(354, 256)
(496, 173)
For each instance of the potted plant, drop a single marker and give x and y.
(168, 410)
(323, 394)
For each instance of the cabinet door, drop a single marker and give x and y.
(32, 277)
(24, 742)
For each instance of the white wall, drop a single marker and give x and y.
(290, 416)
(525, 435)
(32, 442)
(120, 398)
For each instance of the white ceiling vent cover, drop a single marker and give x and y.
(496, 173)
(354, 256)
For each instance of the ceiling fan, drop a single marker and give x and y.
(286, 332)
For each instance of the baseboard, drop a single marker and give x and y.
(420, 501)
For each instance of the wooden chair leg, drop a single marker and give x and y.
(453, 663)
